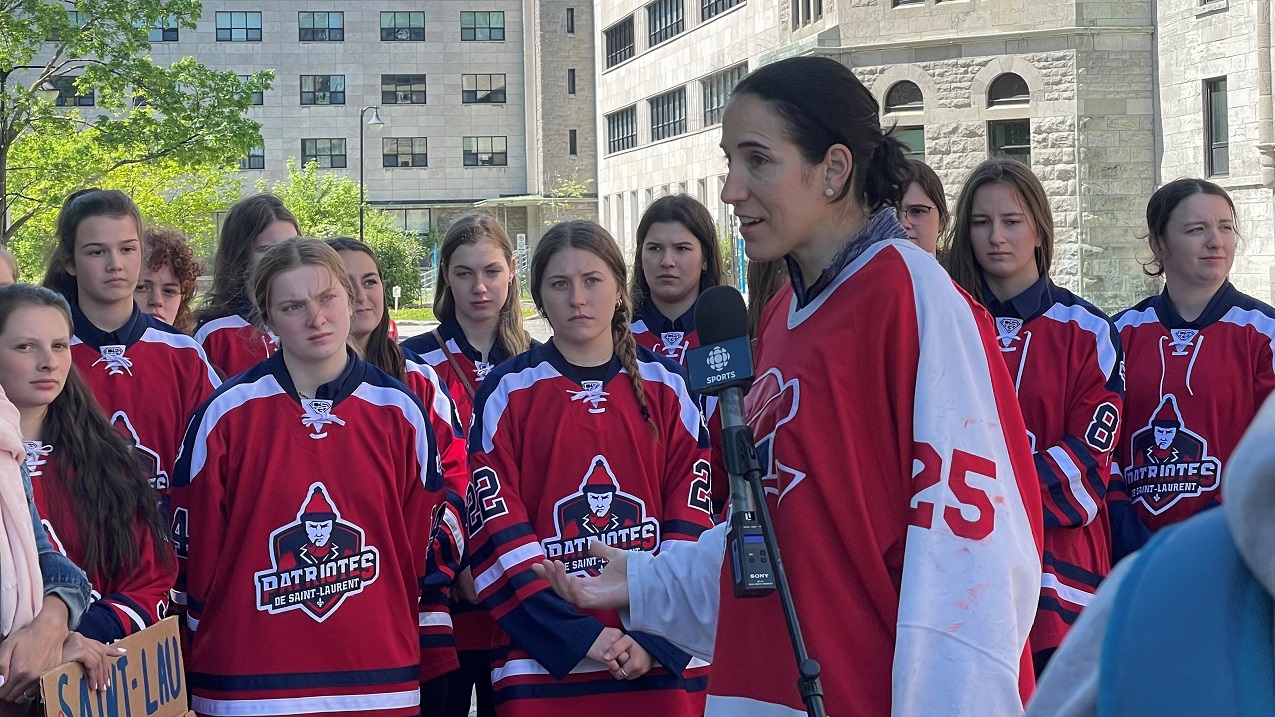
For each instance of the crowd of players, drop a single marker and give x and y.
(956, 451)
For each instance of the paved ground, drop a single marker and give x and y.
(537, 327)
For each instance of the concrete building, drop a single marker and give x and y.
(1103, 99)
(474, 113)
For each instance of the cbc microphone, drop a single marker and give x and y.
(722, 366)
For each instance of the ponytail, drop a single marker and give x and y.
(888, 175)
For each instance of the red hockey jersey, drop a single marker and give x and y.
(903, 495)
(668, 338)
(234, 344)
(1192, 387)
(556, 462)
(472, 626)
(1064, 356)
(438, 644)
(302, 526)
(121, 604)
(149, 378)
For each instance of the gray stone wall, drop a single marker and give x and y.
(561, 112)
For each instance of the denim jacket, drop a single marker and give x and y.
(61, 576)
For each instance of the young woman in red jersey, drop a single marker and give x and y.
(478, 300)
(677, 257)
(169, 279)
(226, 329)
(620, 456)
(304, 498)
(1198, 365)
(97, 506)
(369, 332)
(1064, 356)
(147, 376)
(896, 462)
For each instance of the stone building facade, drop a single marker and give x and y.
(1104, 111)
(473, 97)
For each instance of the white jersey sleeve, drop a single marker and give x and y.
(675, 594)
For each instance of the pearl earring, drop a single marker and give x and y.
(828, 192)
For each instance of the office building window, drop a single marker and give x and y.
(258, 97)
(664, 20)
(712, 8)
(805, 12)
(165, 31)
(1011, 138)
(1216, 128)
(329, 153)
(67, 94)
(571, 21)
(238, 27)
(321, 26)
(74, 21)
(405, 152)
(571, 142)
(1008, 90)
(323, 89)
(913, 139)
(411, 221)
(668, 115)
(904, 96)
(482, 89)
(482, 26)
(402, 27)
(619, 41)
(717, 89)
(402, 89)
(901, 3)
(256, 159)
(571, 82)
(485, 152)
(622, 130)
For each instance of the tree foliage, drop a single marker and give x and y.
(185, 114)
(327, 205)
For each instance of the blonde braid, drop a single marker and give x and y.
(626, 351)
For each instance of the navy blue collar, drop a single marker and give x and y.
(657, 323)
(568, 370)
(335, 391)
(450, 329)
(1226, 297)
(1030, 303)
(882, 226)
(126, 335)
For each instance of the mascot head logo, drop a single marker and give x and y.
(1168, 461)
(317, 561)
(603, 512)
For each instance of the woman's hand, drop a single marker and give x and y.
(635, 663)
(608, 591)
(95, 657)
(610, 644)
(35, 649)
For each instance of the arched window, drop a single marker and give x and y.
(1008, 89)
(904, 96)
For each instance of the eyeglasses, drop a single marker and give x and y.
(917, 211)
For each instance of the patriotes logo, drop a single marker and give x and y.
(1168, 462)
(603, 512)
(316, 562)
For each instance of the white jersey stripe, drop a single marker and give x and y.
(435, 619)
(234, 321)
(505, 562)
(1075, 482)
(1258, 320)
(132, 614)
(1073, 595)
(307, 705)
(516, 668)
(1095, 325)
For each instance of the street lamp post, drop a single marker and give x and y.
(375, 123)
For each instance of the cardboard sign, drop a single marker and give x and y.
(148, 681)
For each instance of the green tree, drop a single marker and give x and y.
(326, 205)
(185, 113)
(565, 198)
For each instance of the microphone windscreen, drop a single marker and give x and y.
(720, 314)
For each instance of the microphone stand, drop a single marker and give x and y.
(740, 453)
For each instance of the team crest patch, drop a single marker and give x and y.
(1007, 332)
(481, 369)
(1181, 339)
(603, 512)
(591, 394)
(318, 415)
(675, 345)
(771, 403)
(316, 562)
(1168, 461)
(117, 364)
